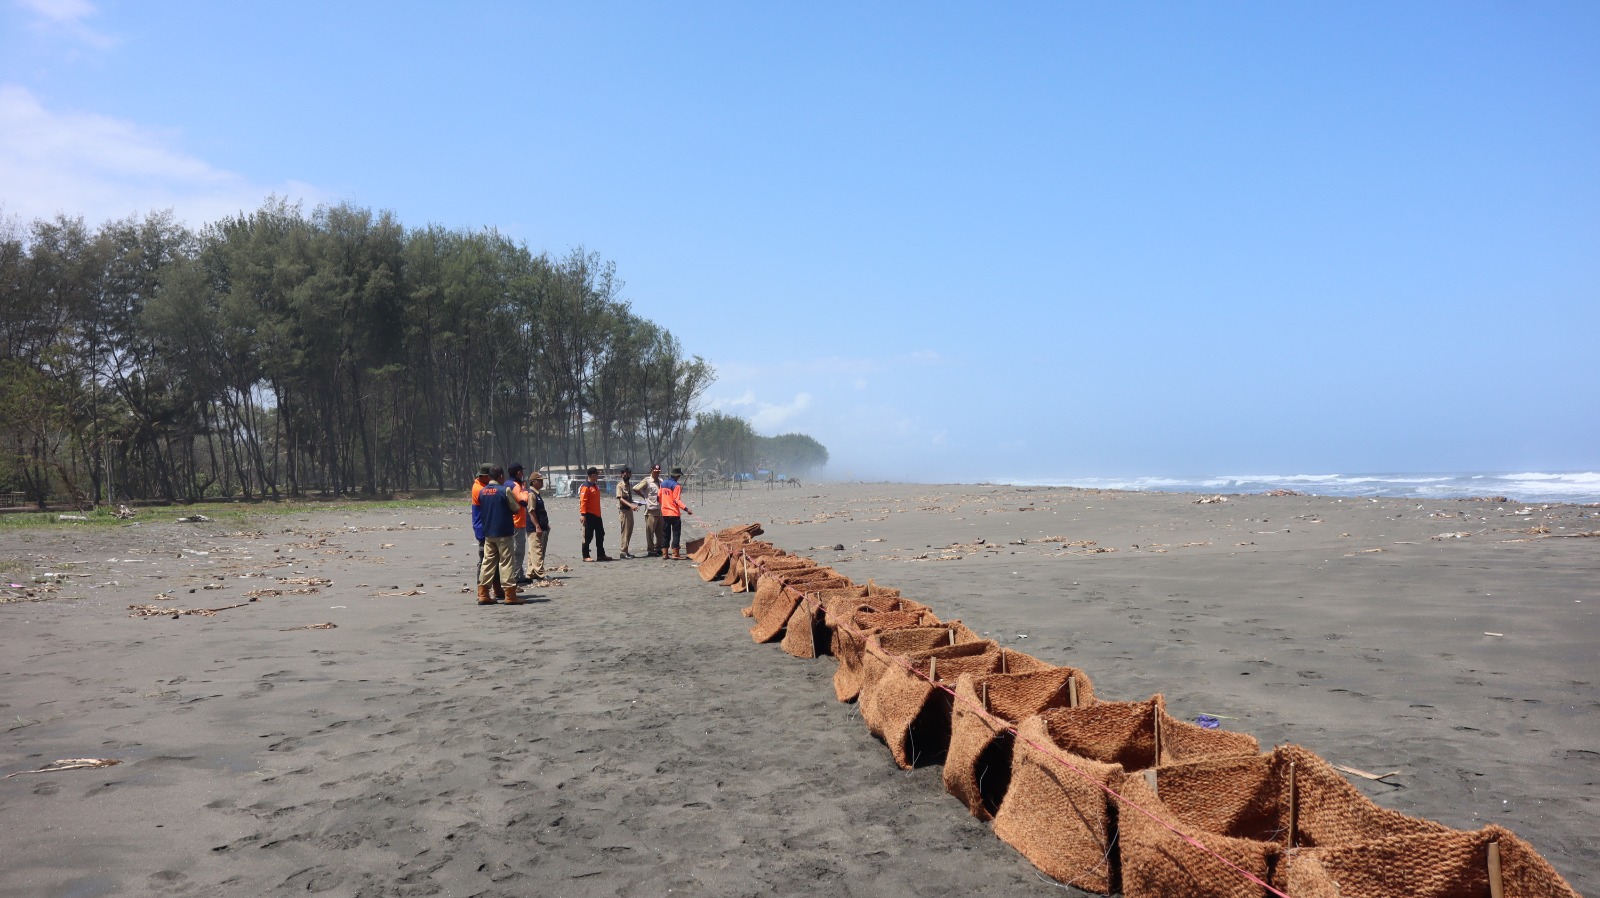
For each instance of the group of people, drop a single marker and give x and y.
(513, 528)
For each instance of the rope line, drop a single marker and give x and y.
(1049, 751)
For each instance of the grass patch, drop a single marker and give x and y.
(237, 514)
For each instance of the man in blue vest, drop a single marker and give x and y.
(499, 510)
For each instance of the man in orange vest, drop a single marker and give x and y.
(498, 507)
(478, 483)
(519, 520)
(672, 511)
(589, 510)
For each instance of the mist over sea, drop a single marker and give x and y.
(1529, 487)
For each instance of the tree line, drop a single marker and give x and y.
(727, 445)
(279, 353)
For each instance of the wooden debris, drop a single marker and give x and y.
(1356, 771)
(330, 625)
(70, 764)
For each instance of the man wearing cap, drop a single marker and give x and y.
(594, 527)
(649, 493)
(672, 510)
(519, 520)
(539, 525)
(626, 505)
(478, 483)
(498, 509)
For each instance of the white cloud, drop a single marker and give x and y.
(105, 168)
(770, 417)
(69, 16)
(764, 416)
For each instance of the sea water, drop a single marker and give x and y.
(1531, 486)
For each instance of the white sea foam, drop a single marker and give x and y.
(1534, 486)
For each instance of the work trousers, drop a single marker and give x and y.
(594, 528)
(519, 550)
(497, 562)
(537, 541)
(625, 518)
(480, 564)
(671, 531)
(652, 530)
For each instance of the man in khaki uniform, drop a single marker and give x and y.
(539, 525)
(649, 493)
(626, 505)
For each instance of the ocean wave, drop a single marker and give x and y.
(1574, 487)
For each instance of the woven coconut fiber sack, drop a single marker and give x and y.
(1104, 740)
(1158, 858)
(806, 634)
(891, 648)
(771, 572)
(1453, 864)
(1058, 816)
(977, 768)
(742, 568)
(1286, 798)
(776, 586)
(850, 639)
(732, 535)
(1289, 795)
(910, 709)
(713, 560)
(773, 609)
(840, 611)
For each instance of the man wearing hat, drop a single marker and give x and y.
(519, 520)
(538, 526)
(649, 493)
(672, 510)
(626, 505)
(481, 481)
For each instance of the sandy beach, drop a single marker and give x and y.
(622, 735)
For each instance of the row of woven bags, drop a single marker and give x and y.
(1106, 796)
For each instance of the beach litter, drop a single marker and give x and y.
(330, 625)
(194, 519)
(70, 764)
(1207, 722)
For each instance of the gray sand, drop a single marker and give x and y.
(623, 736)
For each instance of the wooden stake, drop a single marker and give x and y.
(933, 668)
(1150, 777)
(1294, 807)
(1496, 886)
(1003, 660)
(1072, 692)
(1156, 717)
(985, 696)
(952, 635)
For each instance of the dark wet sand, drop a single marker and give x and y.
(622, 735)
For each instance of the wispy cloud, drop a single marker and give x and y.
(770, 416)
(763, 415)
(69, 17)
(104, 168)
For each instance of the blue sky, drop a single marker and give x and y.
(951, 241)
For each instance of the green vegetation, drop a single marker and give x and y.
(728, 445)
(279, 354)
